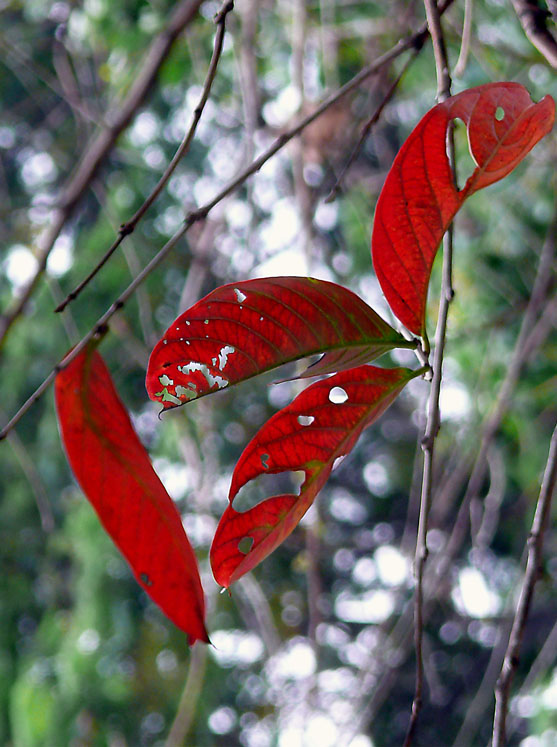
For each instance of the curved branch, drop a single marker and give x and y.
(533, 20)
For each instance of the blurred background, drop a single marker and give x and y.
(314, 647)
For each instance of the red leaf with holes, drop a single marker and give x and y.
(419, 199)
(321, 424)
(114, 472)
(243, 329)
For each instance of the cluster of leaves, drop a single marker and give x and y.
(244, 329)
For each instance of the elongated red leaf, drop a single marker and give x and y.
(419, 199)
(243, 329)
(321, 424)
(114, 472)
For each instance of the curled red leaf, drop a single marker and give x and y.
(419, 198)
(243, 329)
(116, 475)
(320, 425)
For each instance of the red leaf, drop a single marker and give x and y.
(419, 199)
(115, 473)
(321, 424)
(243, 329)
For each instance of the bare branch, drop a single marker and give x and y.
(99, 149)
(533, 19)
(127, 228)
(533, 568)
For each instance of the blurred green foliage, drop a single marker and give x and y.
(310, 640)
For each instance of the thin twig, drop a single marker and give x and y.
(29, 469)
(433, 416)
(127, 228)
(533, 20)
(202, 212)
(98, 151)
(366, 129)
(533, 569)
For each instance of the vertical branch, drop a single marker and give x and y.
(460, 66)
(533, 567)
(433, 418)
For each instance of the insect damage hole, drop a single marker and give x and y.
(465, 162)
(240, 297)
(305, 419)
(145, 579)
(245, 545)
(265, 460)
(499, 114)
(337, 395)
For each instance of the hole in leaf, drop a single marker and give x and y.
(239, 295)
(499, 114)
(265, 461)
(145, 579)
(165, 380)
(245, 545)
(337, 395)
(266, 485)
(305, 419)
(465, 164)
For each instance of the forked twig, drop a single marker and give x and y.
(533, 567)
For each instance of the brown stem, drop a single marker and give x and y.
(433, 416)
(533, 20)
